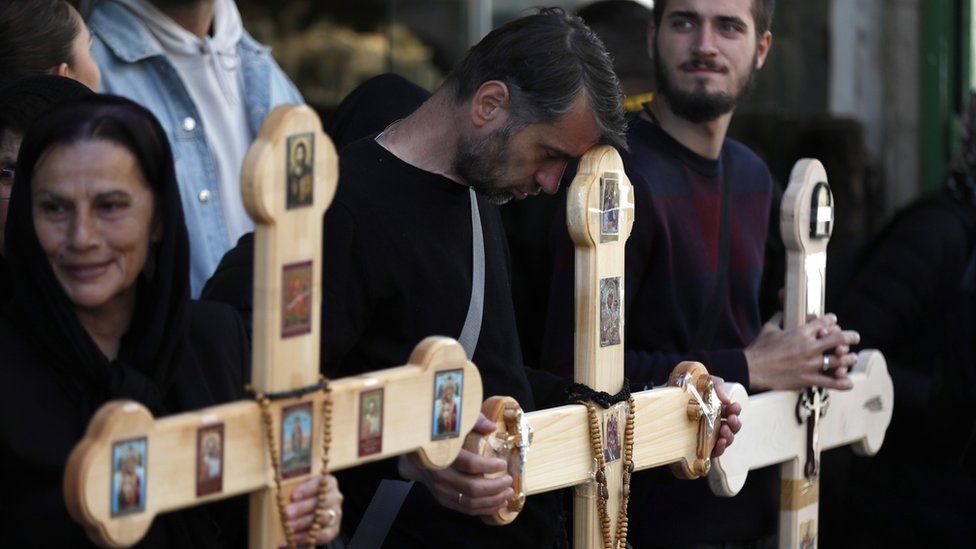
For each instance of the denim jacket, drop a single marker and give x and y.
(134, 66)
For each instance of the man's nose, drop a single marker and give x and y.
(705, 43)
(549, 176)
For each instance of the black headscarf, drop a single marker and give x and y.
(153, 345)
(22, 102)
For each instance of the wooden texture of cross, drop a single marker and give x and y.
(130, 467)
(792, 427)
(554, 448)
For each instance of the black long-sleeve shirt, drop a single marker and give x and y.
(397, 268)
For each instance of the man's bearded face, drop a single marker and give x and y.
(706, 53)
(485, 165)
(697, 104)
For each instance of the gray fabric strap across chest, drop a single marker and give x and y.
(391, 494)
(476, 308)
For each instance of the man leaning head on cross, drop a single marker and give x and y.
(401, 236)
(529, 97)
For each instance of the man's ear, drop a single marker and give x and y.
(60, 70)
(762, 48)
(490, 103)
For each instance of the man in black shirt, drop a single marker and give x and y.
(399, 242)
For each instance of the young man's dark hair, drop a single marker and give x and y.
(544, 82)
(762, 12)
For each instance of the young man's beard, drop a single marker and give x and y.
(698, 105)
(482, 165)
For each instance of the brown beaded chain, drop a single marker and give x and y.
(318, 524)
(596, 441)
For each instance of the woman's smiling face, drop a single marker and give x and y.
(94, 214)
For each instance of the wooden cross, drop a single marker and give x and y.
(792, 427)
(554, 448)
(130, 467)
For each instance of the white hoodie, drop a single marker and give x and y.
(210, 71)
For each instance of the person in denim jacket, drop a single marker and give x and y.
(210, 84)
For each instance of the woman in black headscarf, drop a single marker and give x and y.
(101, 311)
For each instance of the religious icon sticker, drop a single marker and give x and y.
(296, 299)
(610, 207)
(821, 211)
(808, 534)
(610, 311)
(300, 168)
(296, 440)
(210, 459)
(611, 433)
(370, 422)
(447, 404)
(129, 476)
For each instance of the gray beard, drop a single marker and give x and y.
(481, 165)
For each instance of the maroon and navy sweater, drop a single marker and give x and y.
(671, 271)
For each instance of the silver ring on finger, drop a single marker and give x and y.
(826, 364)
(331, 516)
(460, 495)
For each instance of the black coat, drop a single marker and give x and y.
(43, 415)
(913, 297)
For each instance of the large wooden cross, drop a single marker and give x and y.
(129, 467)
(554, 448)
(792, 427)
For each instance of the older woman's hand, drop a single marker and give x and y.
(301, 511)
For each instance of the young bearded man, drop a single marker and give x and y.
(684, 302)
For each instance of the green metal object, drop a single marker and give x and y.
(936, 97)
(948, 72)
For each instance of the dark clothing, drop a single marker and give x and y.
(5, 292)
(914, 298)
(372, 106)
(173, 357)
(671, 271)
(23, 101)
(397, 260)
(45, 415)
